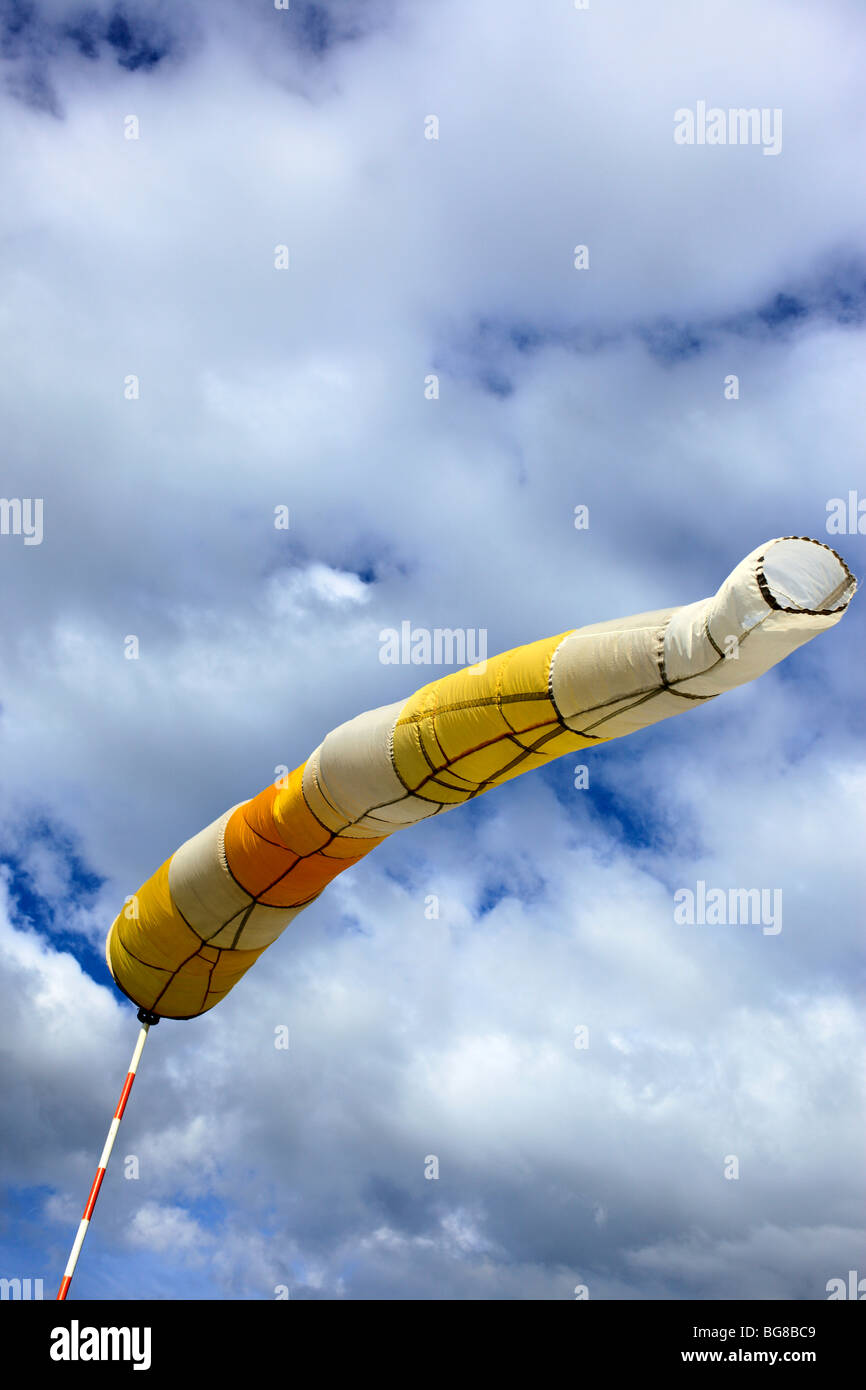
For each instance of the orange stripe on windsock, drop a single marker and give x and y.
(277, 850)
(256, 855)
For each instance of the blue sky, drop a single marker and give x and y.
(410, 1036)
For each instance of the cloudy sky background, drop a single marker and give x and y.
(408, 1036)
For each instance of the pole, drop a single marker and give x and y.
(145, 1019)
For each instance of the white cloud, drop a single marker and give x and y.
(169, 1230)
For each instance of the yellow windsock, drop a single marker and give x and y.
(207, 914)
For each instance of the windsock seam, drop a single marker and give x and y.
(663, 676)
(550, 695)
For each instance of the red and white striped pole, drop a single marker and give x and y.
(145, 1019)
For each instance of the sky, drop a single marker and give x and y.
(164, 386)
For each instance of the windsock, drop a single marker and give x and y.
(196, 926)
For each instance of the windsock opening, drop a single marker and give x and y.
(799, 575)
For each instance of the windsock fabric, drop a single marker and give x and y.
(209, 912)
